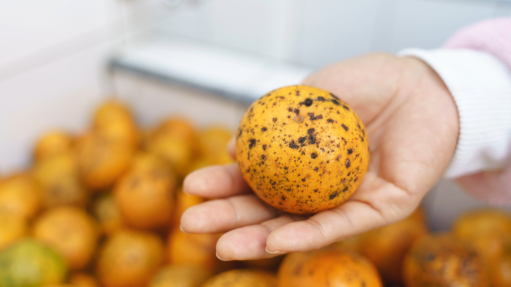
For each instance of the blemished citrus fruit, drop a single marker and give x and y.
(302, 150)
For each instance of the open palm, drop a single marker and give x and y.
(412, 126)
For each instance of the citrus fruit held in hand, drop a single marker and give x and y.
(330, 266)
(180, 275)
(443, 260)
(242, 278)
(129, 259)
(302, 149)
(70, 231)
(30, 263)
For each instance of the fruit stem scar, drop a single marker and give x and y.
(298, 119)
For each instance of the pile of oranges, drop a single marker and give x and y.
(102, 209)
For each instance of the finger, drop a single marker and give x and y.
(216, 182)
(249, 242)
(355, 216)
(222, 215)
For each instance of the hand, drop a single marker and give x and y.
(412, 125)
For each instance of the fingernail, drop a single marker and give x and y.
(221, 257)
(181, 227)
(273, 252)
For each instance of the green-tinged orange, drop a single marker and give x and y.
(30, 263)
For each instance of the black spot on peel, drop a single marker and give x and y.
(336, 102)
(345, 107)
(314, 155)
(290, 109)
(321, 99)
(301, 140)
(283, 198)
(241, 131)
(293, 145)
(274, 120)
(348, 163)
(252, 143)
(264, 147)
(345, 189)
(297, 111)
(308, 102)
(312, 137)
(264, 129)
(316, 168)
(333, 96)
(330, 121)
(344, 127)
(313, 118)
(350, 151)
(333, 195)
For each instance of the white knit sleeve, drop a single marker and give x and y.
(481, 87)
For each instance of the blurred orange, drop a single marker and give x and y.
(20, 195)
(107, 213)
(80, 279)
(70, 231)
(174, 150)
(51, 143)
(58, 177)
(198, 249)
(12, 228)
(102, 161)
(114, 121)
(129, 259)
(180, 275)
(180, 128)
(386, 247)
(214, 140)
(145, 196)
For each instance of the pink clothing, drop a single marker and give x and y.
(493, 37)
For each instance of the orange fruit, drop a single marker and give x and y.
(214, 140)
(174, 150)
(115, 121)
(102, 161)
(181, 275)
(302, 150)
(183, 202)
(80, 279)
(12, 228)
(386, 247)
(51, 143)
(180, 128)
(70, 231)
(243, 278)
(107, 213)
(145, 196)
(330, 266)
(29, 262)
(58, 177)
(443, 260)
(198, 249)
(20, 195)
(129, 259)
